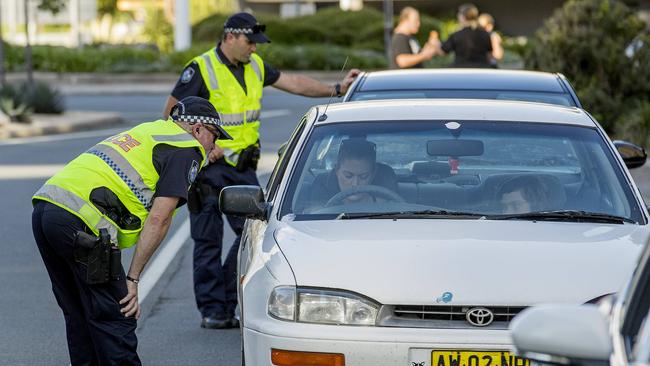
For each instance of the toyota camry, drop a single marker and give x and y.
(410, 232)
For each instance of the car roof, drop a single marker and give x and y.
(461, 79)
(452, 109)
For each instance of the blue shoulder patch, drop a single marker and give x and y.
(188, 74)
(194, 171)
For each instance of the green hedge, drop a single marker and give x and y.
(332, 26)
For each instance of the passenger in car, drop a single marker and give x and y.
(356, 166)
(531, 193)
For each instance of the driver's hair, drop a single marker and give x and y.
(357, 149)
(533, 190)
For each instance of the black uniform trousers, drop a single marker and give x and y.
(215, 286)
(98, 333)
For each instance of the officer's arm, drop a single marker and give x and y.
(154, 231)
(303, 85)
(171, 101)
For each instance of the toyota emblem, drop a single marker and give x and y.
(479, 317)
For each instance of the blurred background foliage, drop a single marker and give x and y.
(592, 42)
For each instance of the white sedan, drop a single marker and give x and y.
(411, 232)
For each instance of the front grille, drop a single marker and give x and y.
(444, 316)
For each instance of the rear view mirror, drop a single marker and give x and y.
(455, 147)
(246, 201)
(634, 156)
(562, 334)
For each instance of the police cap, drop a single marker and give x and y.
(198, 110)
(245, 23)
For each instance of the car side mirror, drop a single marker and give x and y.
(246, 201)
(633, 155)
(562, 334)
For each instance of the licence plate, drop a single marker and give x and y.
(476, 358)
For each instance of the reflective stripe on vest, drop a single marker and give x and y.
(214, 83)
(126, 172)
(239, 107)
(235, 119)
(177, 138)
(89, 213)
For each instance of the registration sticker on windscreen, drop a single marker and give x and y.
(476, 358)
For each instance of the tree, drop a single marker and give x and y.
(586, 41)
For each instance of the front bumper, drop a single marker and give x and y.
(374, 346)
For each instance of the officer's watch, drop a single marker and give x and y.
(134, 280)
(337, 89)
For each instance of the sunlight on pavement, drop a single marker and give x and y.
(9, 172)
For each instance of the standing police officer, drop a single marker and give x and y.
(232, 77)
(122, 191)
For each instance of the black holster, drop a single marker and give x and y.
(102, 259)
(248, 158)
(194, 198)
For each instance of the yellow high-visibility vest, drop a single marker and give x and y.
(239, 110)
(123, 164)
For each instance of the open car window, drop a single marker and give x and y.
(475, 167)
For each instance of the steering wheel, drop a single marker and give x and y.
(375, 191)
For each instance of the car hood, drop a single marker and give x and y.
(479, 262)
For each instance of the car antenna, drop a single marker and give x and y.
(324, 115)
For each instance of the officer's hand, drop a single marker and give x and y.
(349, 78)
(130, 301)
(215, 154)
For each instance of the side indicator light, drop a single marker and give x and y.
(295, 358)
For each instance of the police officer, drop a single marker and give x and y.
(127, 186)
(232, 77)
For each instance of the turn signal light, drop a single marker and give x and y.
(294, 358)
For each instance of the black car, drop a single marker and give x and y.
(532, 86)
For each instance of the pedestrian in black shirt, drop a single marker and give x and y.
(471, 45)
(405, 49)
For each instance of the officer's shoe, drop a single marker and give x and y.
(215, 322)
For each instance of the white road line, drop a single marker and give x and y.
(273, 113)
(8, 172)
(159, 264)
(62, 137)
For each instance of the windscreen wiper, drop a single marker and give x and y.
(564, 215)
(410, 215)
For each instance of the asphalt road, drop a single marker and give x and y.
(32, 324)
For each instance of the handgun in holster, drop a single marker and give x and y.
(103, 260)
(248, 158)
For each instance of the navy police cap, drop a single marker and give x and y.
(198, 110)
(245, 23)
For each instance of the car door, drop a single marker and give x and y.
(629, 318)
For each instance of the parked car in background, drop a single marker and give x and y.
(531, 86)
(398, 232)
(615, 333)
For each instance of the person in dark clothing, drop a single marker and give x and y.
(472, 46)
(356, 166)
(405, 49)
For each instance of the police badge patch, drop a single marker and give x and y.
(187, 75)
(194, 171)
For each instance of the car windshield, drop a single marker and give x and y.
(464, 169)
(526, 96)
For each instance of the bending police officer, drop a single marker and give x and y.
(232, 76)
(126, 187)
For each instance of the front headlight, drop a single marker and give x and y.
(330, 307)
(322, 306)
